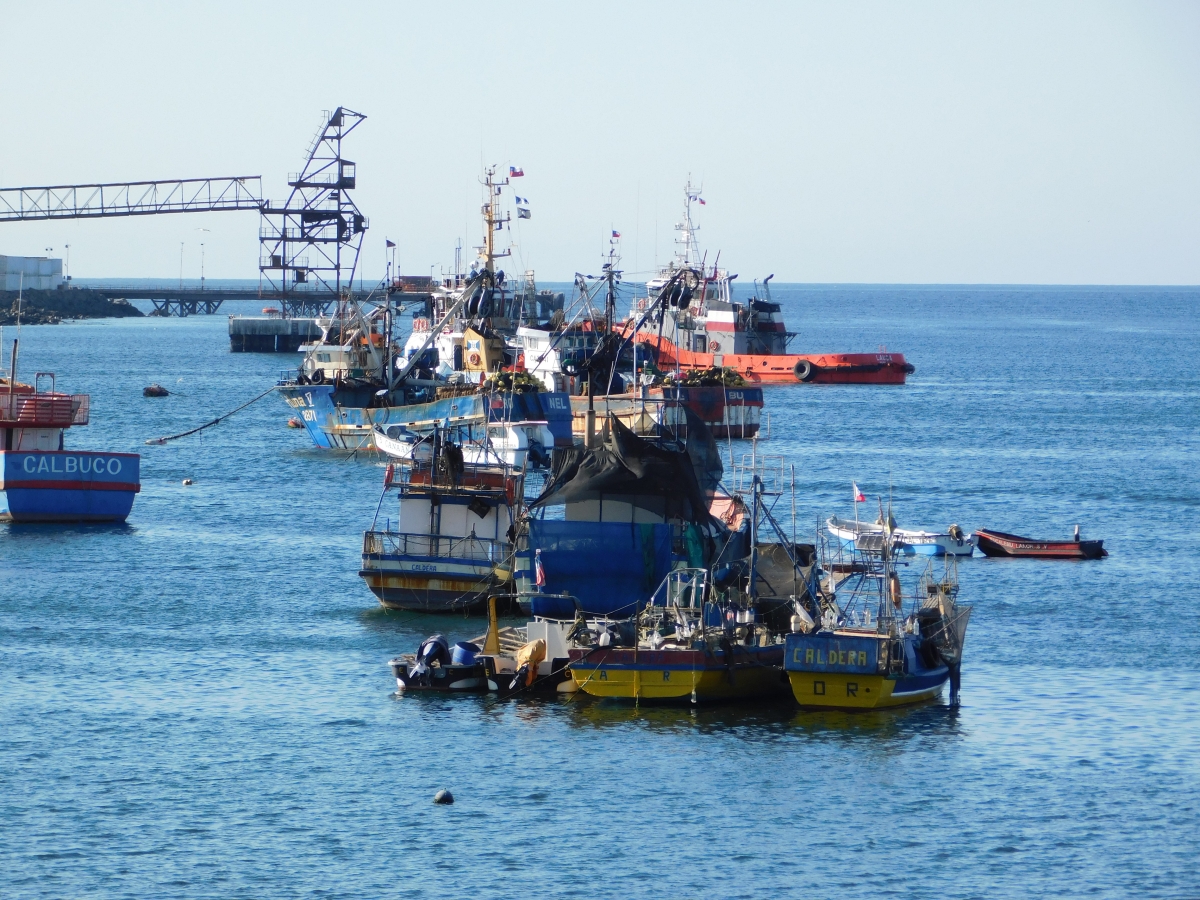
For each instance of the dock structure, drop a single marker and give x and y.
(270, 334)
(190, 301)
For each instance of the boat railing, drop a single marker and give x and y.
(43, 410)
(771, 471)
(393, 543)
(682, 588)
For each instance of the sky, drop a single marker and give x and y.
(1032, 143)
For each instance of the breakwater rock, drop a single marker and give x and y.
(51, 307)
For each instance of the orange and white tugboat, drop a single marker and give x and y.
(698, 325)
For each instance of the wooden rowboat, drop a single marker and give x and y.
(998, 543)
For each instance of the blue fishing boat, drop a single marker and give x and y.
(628, 512)
(42, 481)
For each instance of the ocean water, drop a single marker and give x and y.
(198, 704)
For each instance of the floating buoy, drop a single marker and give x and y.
(293, 422)
(443, 796)
(187, 481)
(155, 390)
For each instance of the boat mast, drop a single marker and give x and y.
(492, 220)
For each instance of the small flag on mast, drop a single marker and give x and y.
(514, 172)
(390, 244)
(702, 203)
(524, 213)
(616, 234)
(538, 571)
(859, 497)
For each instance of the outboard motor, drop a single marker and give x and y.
(433, 649)
(538, 455)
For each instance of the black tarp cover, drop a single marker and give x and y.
(630, 468)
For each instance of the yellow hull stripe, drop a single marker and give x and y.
(825, 689)
(678, 684)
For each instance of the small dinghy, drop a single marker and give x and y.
(438, 667)
(999, 543)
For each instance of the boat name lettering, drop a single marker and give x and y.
(736, 395)
(70, 465)
(308, 397)
(835, 657)
(420, 567)
(556, 403)
(310, 415)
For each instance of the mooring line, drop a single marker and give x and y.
(163, 440)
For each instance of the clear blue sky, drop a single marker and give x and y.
(847, 142)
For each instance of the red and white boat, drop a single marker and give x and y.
(704, 328)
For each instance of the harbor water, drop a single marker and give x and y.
(198, 704)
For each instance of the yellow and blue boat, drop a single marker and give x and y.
(859, 658)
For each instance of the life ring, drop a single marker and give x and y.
(641, 304)
(713, 346)
(389, 475)
(317, 377)
(474, 358)
(804, 371)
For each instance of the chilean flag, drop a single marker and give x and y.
(514, 172)
(859, 497)
(538, 571)
(616, 234)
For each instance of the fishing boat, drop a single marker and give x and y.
(905, 541)
(861, 650)
(450, 548)
(684, 646)
(710, 634)
(696, 324)
(42, 481)
(513, 444)
(629, 508)
(592, 358)
(351, 382)
(999, 543)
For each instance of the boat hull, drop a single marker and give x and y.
(998, 543)
(470, 679)
(911, 543)
(679, 676)
(67, 486)
(853, 672)
(339, 420)
(819, 690)
(813, 368)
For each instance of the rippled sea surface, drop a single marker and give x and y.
(198, 704)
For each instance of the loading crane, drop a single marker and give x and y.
(309, 245)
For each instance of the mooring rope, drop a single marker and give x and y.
(163, 440)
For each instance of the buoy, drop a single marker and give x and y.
(155, 390)
(293, 422)
(187, 481)
(443, 796)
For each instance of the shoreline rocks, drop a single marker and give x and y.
(52, 307)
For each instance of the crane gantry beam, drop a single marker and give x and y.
(133, 198)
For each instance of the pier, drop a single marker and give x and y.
(191, 301)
